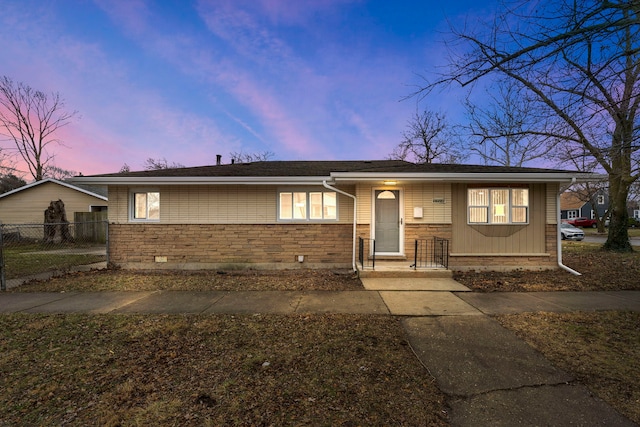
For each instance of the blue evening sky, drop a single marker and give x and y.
(186, 80)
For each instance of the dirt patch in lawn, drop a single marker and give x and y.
(601, 271)
(601, 349)
(116, 370)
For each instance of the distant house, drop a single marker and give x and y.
(297, 214)
(26, 205)
(575, 205)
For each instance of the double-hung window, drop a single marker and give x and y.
(498, 205)
(145, 206)
(307, 205)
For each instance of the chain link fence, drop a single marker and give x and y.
(27, 250)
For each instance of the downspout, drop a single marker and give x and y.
(355, 217)
(559, 236)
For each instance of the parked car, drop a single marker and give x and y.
(583, 222)
(631, 222)
(569, 232)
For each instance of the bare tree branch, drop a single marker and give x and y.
(30, 119)
(153, 164)
(242, 157)
(579, 62)
(429, 138)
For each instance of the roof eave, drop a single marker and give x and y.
(190, 180)
(54, 181)
(346, 177)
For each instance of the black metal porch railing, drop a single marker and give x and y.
(366, 247)
(431, 253)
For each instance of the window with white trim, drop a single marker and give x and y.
(601, 199)
(145, 206)
(636, 213)
(572, 214)
(307, 205)
(498, 205)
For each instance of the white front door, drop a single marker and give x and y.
(388, 221)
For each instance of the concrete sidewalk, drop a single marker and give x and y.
(397, 303)
(490, 376)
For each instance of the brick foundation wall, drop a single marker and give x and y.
(208, 245)
(278, 245)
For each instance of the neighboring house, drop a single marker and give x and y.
(288, 214)
(574, 205)
(26, 205)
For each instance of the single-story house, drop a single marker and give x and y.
(26, 205)
(575, 205)
(287, 214)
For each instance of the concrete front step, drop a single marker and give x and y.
(388, 272)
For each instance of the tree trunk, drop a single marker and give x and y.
(56, 226)
(618, 238)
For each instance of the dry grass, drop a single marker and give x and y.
(601, 271)
(601, 349)
(233, 280)
(114, 370)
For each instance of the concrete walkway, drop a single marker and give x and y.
(490, 376)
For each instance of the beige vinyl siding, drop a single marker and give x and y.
(552, 201)
(428, 197)
(499, 239)
(28, 206)
(118, 204)
(222, 204)
(415, 195)
(363, 194)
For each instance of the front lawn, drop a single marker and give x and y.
(132, 370)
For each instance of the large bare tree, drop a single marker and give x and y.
(580, 62)
(499, 126)
(30, 119)
(429, 138)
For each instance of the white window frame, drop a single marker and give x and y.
(601, 199)
(132, 205)
(572, 214)
(636, 213)
(494, 210)
(306, 212)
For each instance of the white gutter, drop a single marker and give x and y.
(461, 177)
(559, 236)
(202, 180)
(355, 217)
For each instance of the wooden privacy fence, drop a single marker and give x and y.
(89, 226)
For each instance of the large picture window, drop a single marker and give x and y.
(146, 206)
(498, 205)
(307, 205)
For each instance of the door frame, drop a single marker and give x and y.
(400, 216)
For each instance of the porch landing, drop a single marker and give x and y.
(399, 276)
(397, 269)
